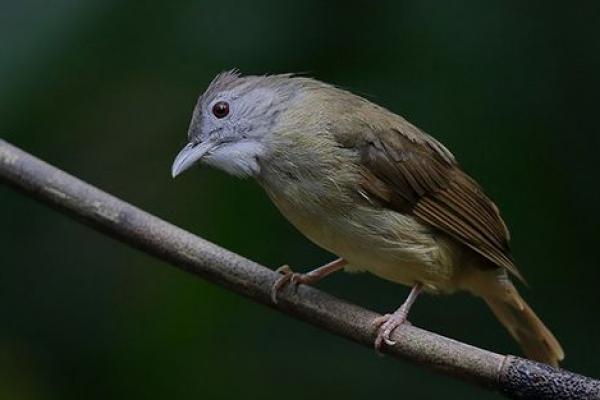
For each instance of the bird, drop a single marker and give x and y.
(368, 186)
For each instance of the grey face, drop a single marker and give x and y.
(230, 121)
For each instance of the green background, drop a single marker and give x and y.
(105, 90)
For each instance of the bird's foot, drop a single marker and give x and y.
(386, 324)
(292, 278)
(288, 277)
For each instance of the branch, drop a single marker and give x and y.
(515, 377)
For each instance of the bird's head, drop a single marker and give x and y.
(232, 118)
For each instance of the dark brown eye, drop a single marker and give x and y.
(221, 109)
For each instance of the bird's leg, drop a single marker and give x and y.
(294, 278)
(387, 323)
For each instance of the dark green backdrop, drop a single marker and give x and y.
(105, 89)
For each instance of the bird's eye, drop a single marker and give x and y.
(221, 109)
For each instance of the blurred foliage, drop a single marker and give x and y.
(104, 89)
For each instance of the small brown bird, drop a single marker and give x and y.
(368, 186)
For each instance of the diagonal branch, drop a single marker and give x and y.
(515, 377)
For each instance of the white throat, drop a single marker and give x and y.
(237, 158)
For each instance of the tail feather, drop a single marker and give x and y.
(536, 341)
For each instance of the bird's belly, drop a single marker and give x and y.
(388, 244)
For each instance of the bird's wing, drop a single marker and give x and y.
(411, 172)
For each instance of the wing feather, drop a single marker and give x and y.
(416, 174)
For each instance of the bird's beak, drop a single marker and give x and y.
(189, 155)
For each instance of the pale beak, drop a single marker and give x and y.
(190, 155)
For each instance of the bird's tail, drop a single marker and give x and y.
(536, 341)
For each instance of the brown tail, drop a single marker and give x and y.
(536, 341)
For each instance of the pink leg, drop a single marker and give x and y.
(387, 323)
(291, 277)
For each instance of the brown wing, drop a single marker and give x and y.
(415, 174)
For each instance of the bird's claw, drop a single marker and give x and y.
(289, 277)
(385, 325)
